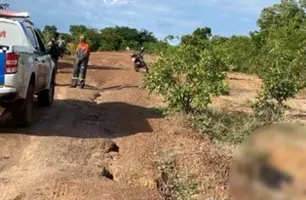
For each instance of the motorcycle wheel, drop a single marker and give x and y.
(136, 68)
(146, 68)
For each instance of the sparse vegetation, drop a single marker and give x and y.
(195, 70)
(172, 184)
(225, 126)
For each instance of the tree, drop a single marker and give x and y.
(279, 15)
(198, 38)
(146, 36)
(77, 30)
(50, 29)
(109, 38)
(4, 6)
(202, 33)
(281, 43)
(48, 32)
(186, 78)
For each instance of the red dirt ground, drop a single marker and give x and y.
(62, 155)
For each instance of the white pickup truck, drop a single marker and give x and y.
(25, 68)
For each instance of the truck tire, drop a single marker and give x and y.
(46, 97)
(23, 113)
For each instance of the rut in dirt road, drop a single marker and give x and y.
(61, 156)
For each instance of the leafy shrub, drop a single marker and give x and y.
(156, 48)
(284, 71)
(187, 79)
(267, 110)
(236, 52)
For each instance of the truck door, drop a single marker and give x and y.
(38, 58)
(47, 72)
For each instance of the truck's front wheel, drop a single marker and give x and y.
(23, 112)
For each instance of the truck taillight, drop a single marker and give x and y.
(11, 66)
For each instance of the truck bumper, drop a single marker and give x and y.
(7, 94)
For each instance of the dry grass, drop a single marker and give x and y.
(173, 185)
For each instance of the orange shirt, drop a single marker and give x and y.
(84, 48)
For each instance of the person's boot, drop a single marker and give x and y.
(81, 84)
(74, 83)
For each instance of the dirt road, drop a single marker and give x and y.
(62, 155)
(112, 126)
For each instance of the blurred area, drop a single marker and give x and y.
(271, 165)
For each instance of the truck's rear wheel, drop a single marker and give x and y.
(46, 97)
(23, 113)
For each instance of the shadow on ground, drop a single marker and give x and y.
(120, 87)
(88, 87)
(67, 65)
(238, 79)
(84, 119)
(102, 67)
(299, 116)
(112, 88)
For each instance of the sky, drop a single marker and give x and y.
(162, 17)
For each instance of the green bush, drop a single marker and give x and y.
(186, 79)
(237, 52)
(266, 109)
(283, 69)
(156, 48)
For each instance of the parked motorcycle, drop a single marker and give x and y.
(138, 61)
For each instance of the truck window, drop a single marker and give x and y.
(10, 34)
(30, 34)
(40, 42)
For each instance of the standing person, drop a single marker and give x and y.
(82, 58)
(62, 45)
(54, 50)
